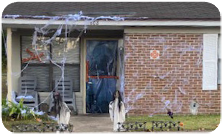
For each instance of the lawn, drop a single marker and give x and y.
(8, 123)
(191, 122)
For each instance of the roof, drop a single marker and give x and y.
(130, 10)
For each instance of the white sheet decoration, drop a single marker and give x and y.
(13, 97)
(39, 113)
(53, 118)
(116, 115)
(64, 114)
(24, 97)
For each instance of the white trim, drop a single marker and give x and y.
(209, 30)
(117, 23)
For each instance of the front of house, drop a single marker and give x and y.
(157, 60)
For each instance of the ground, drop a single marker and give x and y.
(91, 123)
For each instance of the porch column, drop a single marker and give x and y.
(13, 61)
(9, 62)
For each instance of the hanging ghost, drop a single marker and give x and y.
(117, 110)
(103, 59)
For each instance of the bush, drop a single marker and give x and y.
(20, 112)
(11, 110)
(4, 103)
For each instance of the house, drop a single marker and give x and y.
(160, 55)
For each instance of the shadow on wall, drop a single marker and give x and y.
(3, 61)
(4, 85)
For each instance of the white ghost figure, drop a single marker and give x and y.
(64, 116)
(194, 107)
(116, 111)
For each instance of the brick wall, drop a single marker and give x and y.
(176, 76)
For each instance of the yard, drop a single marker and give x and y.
(8, 123)
(190, 122)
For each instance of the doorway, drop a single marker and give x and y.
(101, 74)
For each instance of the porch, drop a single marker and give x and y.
(19, 40)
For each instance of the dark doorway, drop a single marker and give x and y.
(101, 74)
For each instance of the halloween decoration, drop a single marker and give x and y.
(117, 110)
(32, 56)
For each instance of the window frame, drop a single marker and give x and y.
(49, 64)
(219, 60)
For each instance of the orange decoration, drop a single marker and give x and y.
(38, 120)
(96, 77)
(181, 124)
(33, 56)
(87, 71)
(154, 54)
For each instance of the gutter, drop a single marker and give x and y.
(81, 20)
(151, 22)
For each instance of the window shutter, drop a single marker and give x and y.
(210, 61)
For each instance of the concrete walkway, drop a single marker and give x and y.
(91, 123)
(101, 124)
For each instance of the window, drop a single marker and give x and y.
(46, 71)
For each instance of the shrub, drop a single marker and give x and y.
(11, 110)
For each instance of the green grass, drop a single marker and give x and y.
(191, 122)
(8, 123)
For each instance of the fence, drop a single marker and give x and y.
(143, 126)
(41, 128)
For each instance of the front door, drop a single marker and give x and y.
(101, 66)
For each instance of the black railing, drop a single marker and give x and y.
(143, 126)
(41, 127)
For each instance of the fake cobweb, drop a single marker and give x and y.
(176, 87)
(60, 38)
(164, 82)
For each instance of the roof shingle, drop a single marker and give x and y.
(152, 10)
